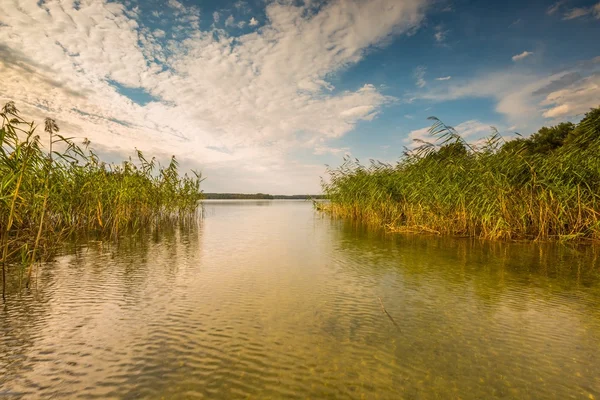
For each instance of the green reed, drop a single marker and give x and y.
(540, 188)
(46, 196)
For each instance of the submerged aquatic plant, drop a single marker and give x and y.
(47, 196)
(540, 188)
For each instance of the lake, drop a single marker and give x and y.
(272, 300)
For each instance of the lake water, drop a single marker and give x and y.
(270, 300)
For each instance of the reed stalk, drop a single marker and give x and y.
(46, 197)
(546, 187)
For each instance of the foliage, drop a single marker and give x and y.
(46, 196)
(544, 187)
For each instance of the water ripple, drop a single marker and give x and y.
(276, 302)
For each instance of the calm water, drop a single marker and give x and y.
(270, 300)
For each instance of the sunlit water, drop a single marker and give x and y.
(272, 300)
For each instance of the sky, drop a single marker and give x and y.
(261, 95)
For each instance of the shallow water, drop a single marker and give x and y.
(268, 299)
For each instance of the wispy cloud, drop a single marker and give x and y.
(555, 7)
(516, 22)
(472, 131)
(417, 136)
(440, 34)
(322, 149)
(242, 6)
(253, 98)
(576, 13)
(579, 12)
(176, 5)
(216, 17)
(574, 99)
(419, 75)
(443, 78)
(526, 97)
(560, 83)
(521, 56)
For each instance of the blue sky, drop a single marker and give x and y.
(260, 95)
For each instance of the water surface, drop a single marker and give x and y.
(268, 299)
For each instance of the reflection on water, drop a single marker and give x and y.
(270, 300)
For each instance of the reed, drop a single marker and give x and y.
(541, 188)
(48, 196)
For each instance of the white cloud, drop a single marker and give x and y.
(417, 136)
(253, 22)
(159, 33)
(558, 111)
(527, 97)
(242, 6)
(419, 75)
(176, 5)
(521, 56)
(322, 149)
(440, 34)
(241, 24)
(575, 99)
(216, 17)
(230, 21)
(236, 107)
(472, 131)
(443, 78)
(555, 7)
(578, 12)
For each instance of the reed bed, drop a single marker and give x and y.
(47, 196)
(544, 187)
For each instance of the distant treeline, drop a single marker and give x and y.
(546, 186)
(260, 196)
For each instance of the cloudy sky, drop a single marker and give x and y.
(261, 94)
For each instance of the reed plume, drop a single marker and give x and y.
(46, 196)
(541, 188)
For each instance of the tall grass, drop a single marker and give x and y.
(47, 196)
(544, 187)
